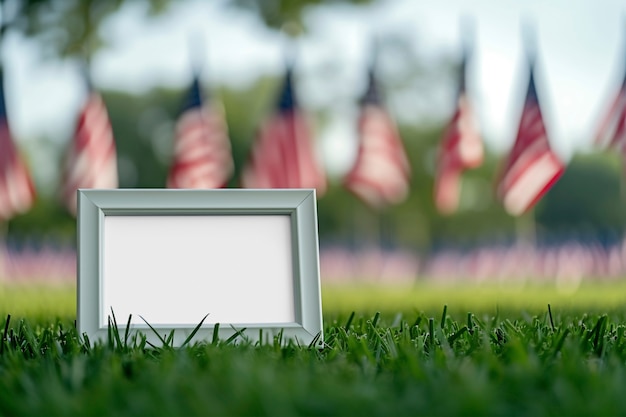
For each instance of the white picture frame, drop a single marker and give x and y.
(165, 258)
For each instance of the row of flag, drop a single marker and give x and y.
(568, 262)
(283, 155)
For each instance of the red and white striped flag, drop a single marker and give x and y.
(612, 130)
(17, 192)
(283, 155)
(380, 174)
(532, 167)
(202, 151)
(461, 148)
(91, 159)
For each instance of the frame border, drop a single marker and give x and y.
(300, 204)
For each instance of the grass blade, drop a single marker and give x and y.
(130, 316)
(598, 341)
(278, 339)
(316, 342)
(376, 318)
(560, 342)
(457, 334)
(155, 332)
(431, 332)
(170, 339)
(236, 335)
(109, 332)
(417, 321)
(4, 335)
(216, 334)
(193, 333)
(116, 333)
(550, 315)
(349, 322)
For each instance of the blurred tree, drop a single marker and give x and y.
(278, 13)
(48, 218)
(67, 28)
(71, 28)
(587, 200)
(143, 128)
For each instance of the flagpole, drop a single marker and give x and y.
(525, 228)
(378, 211)
(197, 53)
(3, 25)
(291, 32)
(4, 239)
(622, 187)
(4, 224)
(378, 241)
(526, 223)
(376, 129)
(382, 237)
(84, 59)
(623, 143)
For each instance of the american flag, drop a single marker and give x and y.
(283, 155)
(202, 151)
(91, 159)
(461, 148)
(532, 167)
(380, 173)
(612, 130)
(17, 192)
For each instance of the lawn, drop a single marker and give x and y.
(428, 297)
(432, 350)
(48, 302)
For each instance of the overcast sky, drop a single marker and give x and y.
(581, 57)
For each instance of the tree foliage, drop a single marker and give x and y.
(67, 28)
(71, 28)
(278, 14)
(588, 198)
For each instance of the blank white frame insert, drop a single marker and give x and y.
(203, 253)
(247, 258)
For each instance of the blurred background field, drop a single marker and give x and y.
(47, 303)
(417, 74)
(41, 303)
(490, 299)
(142, 56)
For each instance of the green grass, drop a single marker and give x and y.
(48, 302)
(42, 303)
(505, 297)
(511, 357)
